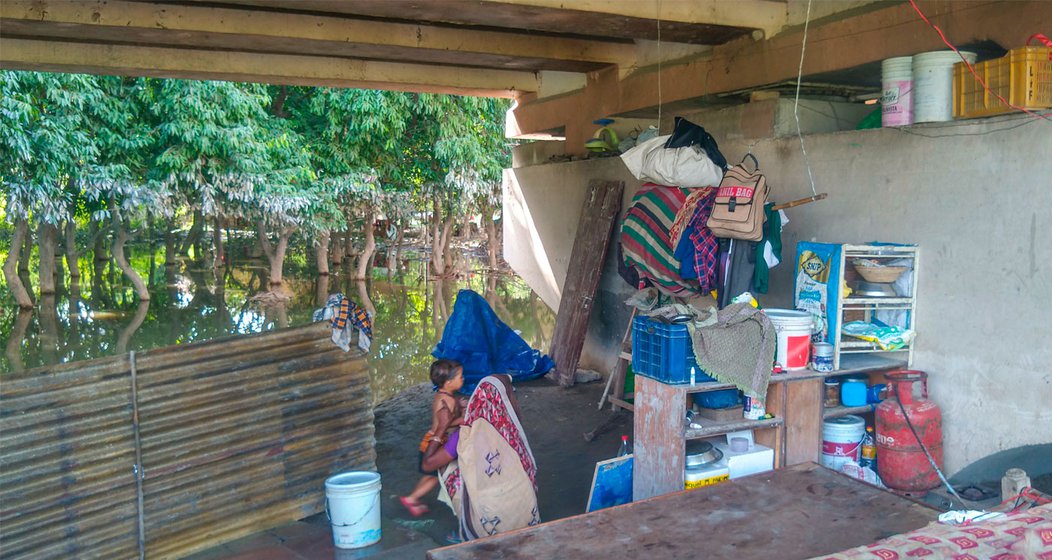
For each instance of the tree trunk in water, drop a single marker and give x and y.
(47, 318)
(120, 237)
(98, 249)
(438, 263)
(46, 251)
(72, 257)
(366, 255)
(13, 351)
(323, 253)
(492, 243)
(169, 244)
(277, 264)
(275, 253)
(336, 251)
(18, 290)
(321, 290)
(218, 255)
(193, 235)
(447, 242)
(23, 258)
(136, 322)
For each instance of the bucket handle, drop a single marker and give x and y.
(1040, 37)
(376, 502)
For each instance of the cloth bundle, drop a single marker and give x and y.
(738, 348)
(688, 167)
(345, 318)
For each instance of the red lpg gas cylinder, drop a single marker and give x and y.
(901, 462)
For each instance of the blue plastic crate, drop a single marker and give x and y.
(664, 352)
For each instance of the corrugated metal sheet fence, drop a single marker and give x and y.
(237, 435)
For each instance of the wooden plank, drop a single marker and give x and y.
(776, 405)
(601, 209)
(803, 427)
(659, 446)
(793, 513)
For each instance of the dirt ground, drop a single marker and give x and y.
(555, 420)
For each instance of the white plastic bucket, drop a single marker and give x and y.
(794, 337)
(842, 440)
(352, 503)
(896, 97)
(933, 85)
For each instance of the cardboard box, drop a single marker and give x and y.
(756, 459)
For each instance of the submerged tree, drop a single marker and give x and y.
(44, 141)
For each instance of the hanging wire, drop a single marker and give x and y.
(796, 106)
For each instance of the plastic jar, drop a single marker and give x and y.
(853, 391)
(832, 387)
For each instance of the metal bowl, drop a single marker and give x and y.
(700, 453)
(875, 289)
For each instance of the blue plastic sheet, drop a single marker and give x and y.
(484, 345)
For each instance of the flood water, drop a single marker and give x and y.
(100, 316)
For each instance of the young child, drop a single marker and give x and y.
(447, 412)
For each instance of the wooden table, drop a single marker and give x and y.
(797, 512)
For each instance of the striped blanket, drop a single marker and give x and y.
(645, 239)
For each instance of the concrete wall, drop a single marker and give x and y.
(974, 195)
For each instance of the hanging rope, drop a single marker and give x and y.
(658, 4)
(796, 106)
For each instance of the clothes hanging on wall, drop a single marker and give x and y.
(769, 249)
(645, 238)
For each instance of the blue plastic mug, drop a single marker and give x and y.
(876, 393)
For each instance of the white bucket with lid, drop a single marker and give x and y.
(842, 440)
(933, 84)
(896, 99)
(352, 503)
(794, 337)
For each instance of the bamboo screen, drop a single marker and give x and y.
(235, 435)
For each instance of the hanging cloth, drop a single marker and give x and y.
(645, 238)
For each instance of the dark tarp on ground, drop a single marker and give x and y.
(484, 345)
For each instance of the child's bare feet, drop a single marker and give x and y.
(416, 509)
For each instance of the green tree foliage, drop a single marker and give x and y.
(44, 141)
(307, 161)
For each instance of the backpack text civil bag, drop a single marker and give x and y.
(738, 210)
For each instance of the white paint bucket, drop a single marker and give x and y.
(842, 440)
(896, 99)
(933, 85)
(794, 337)
(352, 503)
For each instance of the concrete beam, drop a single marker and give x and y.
(121, 60)
(203, 26)
(837, 45)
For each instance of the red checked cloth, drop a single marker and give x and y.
(1025, 535)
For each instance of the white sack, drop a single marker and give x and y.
(682, 167)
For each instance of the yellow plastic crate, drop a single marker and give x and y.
(1023, 77)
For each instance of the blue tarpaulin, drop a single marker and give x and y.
(484, 345)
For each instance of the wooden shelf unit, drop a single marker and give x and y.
(865, 307)
(796, 400)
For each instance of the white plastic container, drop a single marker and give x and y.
(896, 99)
(352, 503)
(842, 440)
(933, 85)
(794, 337)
